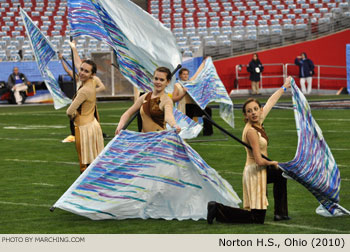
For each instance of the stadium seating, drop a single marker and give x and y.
(264, 21)
(194, 23)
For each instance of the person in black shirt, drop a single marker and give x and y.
(255, 68)
(306, 70)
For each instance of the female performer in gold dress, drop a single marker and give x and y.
(255, 171)
(156, 107)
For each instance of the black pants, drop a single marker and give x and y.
(193, 110)
(139, 122)
(71, 125)
(228, 214)
(279, 190)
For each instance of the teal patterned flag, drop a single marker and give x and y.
(141, 43)
(314, 165)
(207, 87)
(189, 128)
(43, 53)
(147, 175)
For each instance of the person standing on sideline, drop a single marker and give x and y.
(83, 111)
(255, 68)
(17, 82)
(186, 104)
(256, 170)
(306, 70)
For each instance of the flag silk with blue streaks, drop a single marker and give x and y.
(141, 42)
(189, 128)
(207, 87)
(43, 53)
(147, 175)
(313, 165)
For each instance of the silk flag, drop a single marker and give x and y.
(140, 42)
(313, 165)
(207, 87)
(147, 175)
(43, 53)
(189, 128)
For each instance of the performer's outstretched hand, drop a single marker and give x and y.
(274, 164)
(287, 83)
(177, 128)
(72, 44)
(118, 129)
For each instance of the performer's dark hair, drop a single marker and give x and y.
(91, 63)
(249, 100)
(164, 70)
(183, 70)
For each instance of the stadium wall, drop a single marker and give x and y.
(328, 50)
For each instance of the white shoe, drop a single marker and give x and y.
(69, 139)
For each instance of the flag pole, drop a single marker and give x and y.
(73, 68)
(66, 61)
(206, 115)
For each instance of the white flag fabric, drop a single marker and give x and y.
(141, 42)
(147, 175)
(43, 53)
(189, 128)
(314, 165)
(207, 87)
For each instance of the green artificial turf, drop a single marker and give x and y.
(36, 169)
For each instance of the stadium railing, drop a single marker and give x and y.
(325, 77)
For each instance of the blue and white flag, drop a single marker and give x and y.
(140, 42)
(207, 87)
(313, 165)
(147, 175)
(43, 53)
(189, 128)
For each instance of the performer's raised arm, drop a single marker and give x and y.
(275, 97)
(77, 59)
(64, 65)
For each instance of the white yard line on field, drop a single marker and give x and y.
(43, 184)
(231, 172)
(23, 204)
(30, 139)
(306, 227)
(41, 161)
(35, 127)
(34, 114)
(113, 124)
